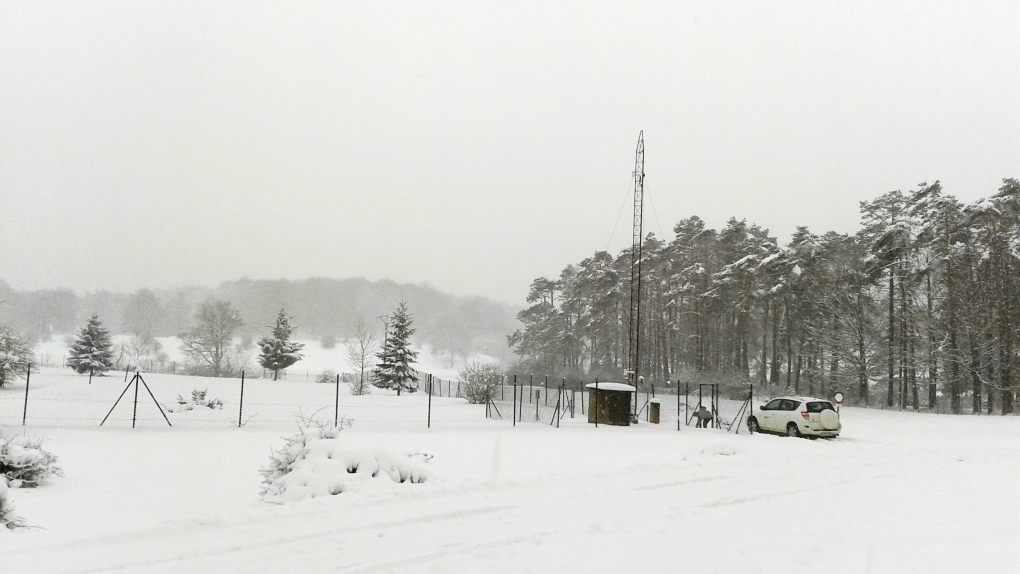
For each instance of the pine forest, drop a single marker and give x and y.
(919, 309)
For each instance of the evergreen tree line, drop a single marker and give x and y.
(209, 344)
(329, 309)
(918, 309)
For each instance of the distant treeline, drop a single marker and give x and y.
(920, 308)
(321, 308)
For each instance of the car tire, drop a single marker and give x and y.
(752, 425)
(792, 430)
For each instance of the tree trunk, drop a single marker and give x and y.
(892, 339)
(800, 360)
(762, 379)
(904, 335)
(862, 368)
(774, 373)
(975, 376)
(789, 353)
(913, 366)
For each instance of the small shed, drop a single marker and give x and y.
(609, 403)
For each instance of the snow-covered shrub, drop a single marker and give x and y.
(326, 377)
(25, 463)
(479, 382)
(360, 385)
(315, 462)
(198, 399)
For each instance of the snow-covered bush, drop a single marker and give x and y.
(24, 463)
(198, 399)
(326, 377)
(479, 382)
(315, 462)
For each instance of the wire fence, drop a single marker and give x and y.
(669, 406)
(54, 396)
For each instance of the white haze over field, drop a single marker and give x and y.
(314, 357)
(473, 145)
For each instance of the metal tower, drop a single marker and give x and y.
(634, 346)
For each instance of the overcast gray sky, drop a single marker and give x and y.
(474, 145)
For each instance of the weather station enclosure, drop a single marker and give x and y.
(609, 403)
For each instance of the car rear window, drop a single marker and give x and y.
(819, 406)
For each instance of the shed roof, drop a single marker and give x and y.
(612, 387)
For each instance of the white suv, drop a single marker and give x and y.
(796, 416)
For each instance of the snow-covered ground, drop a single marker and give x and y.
(898, 492)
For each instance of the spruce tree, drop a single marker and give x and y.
(92, 351)
(278, 352)
(394, 368)
(15, 356)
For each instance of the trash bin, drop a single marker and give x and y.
(653, 412)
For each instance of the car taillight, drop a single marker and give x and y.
(804, 414)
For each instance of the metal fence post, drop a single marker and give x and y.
(430, 407)
(686, 400)
(240, 406)
(750, 406)
(134, 413)
(336, 403)
(514, 411)
(28, 380)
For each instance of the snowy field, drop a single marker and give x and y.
(899, 492)
(59, 397)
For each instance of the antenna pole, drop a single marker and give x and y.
(634, 356)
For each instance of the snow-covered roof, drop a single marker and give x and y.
(802, 399)
(612, 387)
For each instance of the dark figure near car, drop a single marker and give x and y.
(704, 417)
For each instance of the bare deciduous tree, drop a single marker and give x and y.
(208, 343)
(360, 355)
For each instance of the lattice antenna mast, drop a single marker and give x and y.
(634, 357)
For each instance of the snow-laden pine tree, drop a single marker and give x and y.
(394, 369)
(15, 356)
(277, 350)
(92, 351)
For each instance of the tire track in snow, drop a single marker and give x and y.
(165, 539)
(444, 553)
